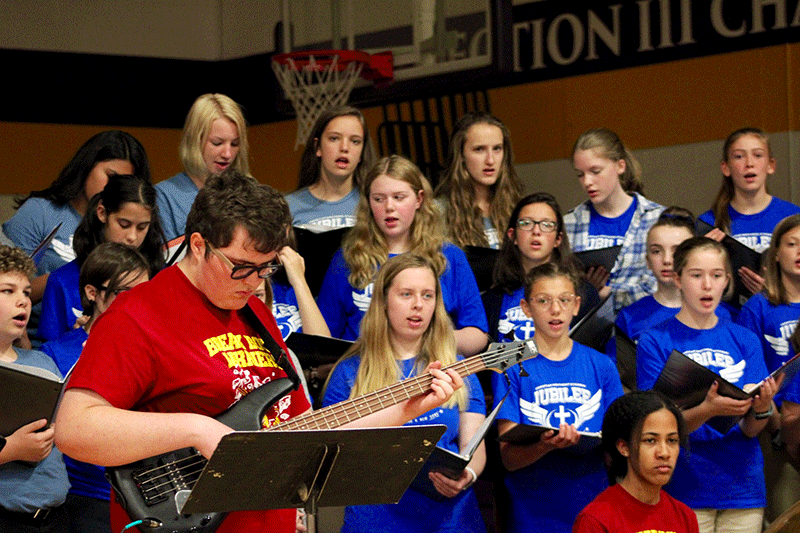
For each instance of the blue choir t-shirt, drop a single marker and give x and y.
(720, 471)
(755, 231)
(606, 232)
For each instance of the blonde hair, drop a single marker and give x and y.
(774, 289)
(204, 111)
(457, 188)
(378, 367)
(364, 247)
(609, 145)
(722, 218)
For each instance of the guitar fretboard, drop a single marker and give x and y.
(341, 413)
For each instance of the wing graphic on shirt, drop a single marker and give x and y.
(534, 412)
(781, 346)
(586, 411)
(362, 299)
(734, 373)
(63, 250)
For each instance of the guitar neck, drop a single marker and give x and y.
(341, 413)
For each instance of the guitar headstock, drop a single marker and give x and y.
(502, 355)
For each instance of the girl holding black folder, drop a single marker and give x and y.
(674, 226)
(479, 187)
(616, 214)
(569, 387)
(534, 236)
(406, 329)
(723, 477)
(743, 208)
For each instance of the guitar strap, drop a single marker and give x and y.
(272, 345)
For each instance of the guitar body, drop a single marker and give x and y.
(155, 488)
(149, 488)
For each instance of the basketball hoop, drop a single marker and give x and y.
(315, 80)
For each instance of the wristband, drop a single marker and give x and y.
(473, 474)
(765, 414)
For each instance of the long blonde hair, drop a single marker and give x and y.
(365, 248)
(457, 188)
(378, 367)
(722, 218)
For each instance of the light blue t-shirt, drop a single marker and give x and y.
(308, 210)
(26, 487)
(174, 198)
(34, 220)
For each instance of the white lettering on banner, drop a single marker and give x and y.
(563, 36)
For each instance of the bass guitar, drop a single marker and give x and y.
(154, 489)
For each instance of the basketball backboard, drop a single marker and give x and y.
(427, 37)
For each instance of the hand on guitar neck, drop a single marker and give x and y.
(444, 384)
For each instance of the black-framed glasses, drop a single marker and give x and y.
(117, 291)
(527, 224)
(242, 271)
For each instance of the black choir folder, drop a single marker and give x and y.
(524, 434)
(27, 394)
(605, 257)
(317, 245)
(451, 464)
(481, 260)
(316, 350)
(740, 256)
(686, 382)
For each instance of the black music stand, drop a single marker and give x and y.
(259, 470)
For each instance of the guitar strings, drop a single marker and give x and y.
(374, 401)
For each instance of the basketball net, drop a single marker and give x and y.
(314, 86)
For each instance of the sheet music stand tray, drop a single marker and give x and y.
(259, 470)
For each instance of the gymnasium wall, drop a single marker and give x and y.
(674, 114)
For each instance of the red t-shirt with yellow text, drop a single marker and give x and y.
(163, 347)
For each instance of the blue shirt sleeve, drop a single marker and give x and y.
(341, 381)
(460, 291)
(650, 361)
(57, 316)
(331, 299)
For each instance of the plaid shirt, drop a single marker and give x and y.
(630, 277)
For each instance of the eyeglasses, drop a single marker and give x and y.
(242, 271)
(545, 301)
(527, 224)
(117, 291)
